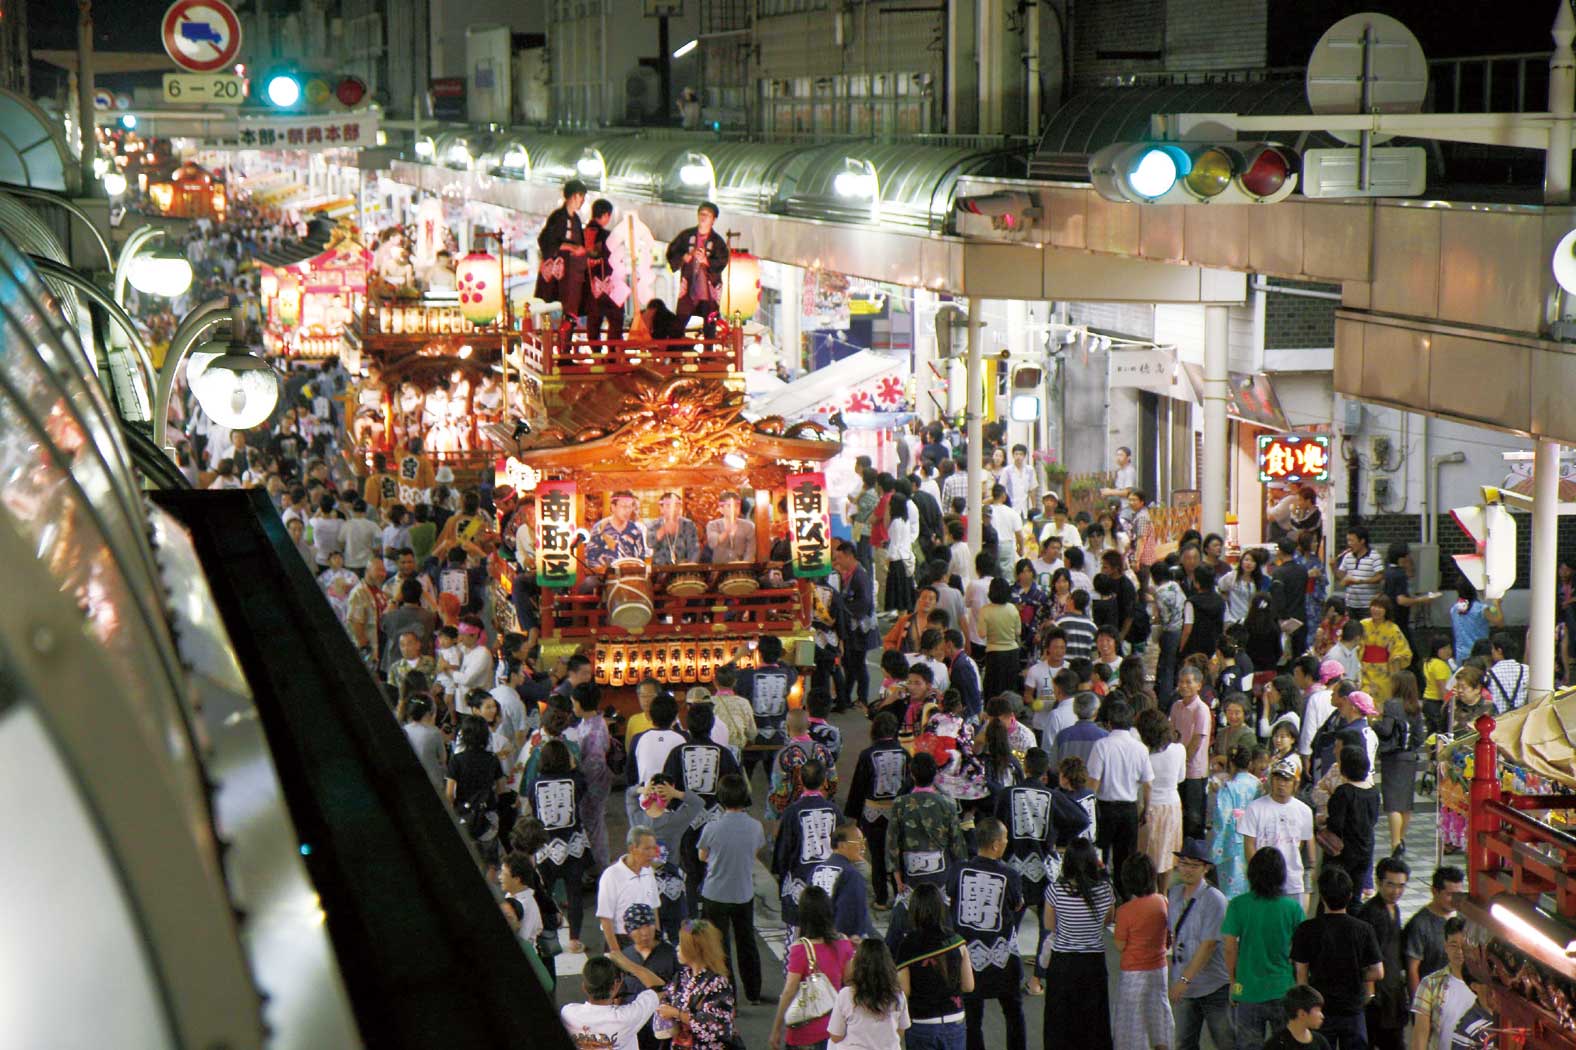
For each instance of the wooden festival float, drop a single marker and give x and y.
(432, 367)
(1519, 780)
(308, 305)
(652, 417)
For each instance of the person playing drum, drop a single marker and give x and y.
(618, 535)
(674, 538)
(730, 538)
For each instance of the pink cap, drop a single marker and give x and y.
(1363, 702)
(1330, 670)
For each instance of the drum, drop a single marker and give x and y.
(738, 583)
(687, 585)
(628, 594)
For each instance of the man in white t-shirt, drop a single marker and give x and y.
(1280, 821)
(1020, 481)
(1008, 524)
(628, 880)
(598, 1024)
(1119, 775)
(653, 746)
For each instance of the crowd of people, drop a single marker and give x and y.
(1188, 750)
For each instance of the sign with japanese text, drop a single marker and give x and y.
(809, 515)
(556, 525)
(1153, 370)
(1294, 459)
(347, 130)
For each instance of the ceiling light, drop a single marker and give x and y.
(589, 165)
(695, 174)
(423, 147)
(685, 49)
(1525, 918)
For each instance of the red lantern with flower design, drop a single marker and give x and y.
(479, 280)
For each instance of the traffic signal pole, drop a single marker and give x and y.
(1546, 453)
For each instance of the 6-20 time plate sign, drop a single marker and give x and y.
(1294, 459)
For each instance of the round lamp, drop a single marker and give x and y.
(165, 274)
(479, 281)
(198, 360)
(1565, 262)
(741, 285)
(114, 183)
(237, 390)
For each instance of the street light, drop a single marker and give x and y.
(114, 183)
(237, 389)
(165, 274)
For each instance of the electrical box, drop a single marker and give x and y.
(1425, 567)
(1379, 492)
(1379, 450)
(1352, 419)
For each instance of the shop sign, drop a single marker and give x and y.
(346, 130)
(556, 525)
(1294, 459)
(809, 515)
(1152, 370)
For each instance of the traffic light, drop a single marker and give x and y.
(293, 89)
(1194, 172)
(1491, 567)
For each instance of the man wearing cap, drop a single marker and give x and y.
(1353, 709)
(1282, 822)
(618, 535)
(730, 538)
(700, 256)
(674, 538)
(1200, 987)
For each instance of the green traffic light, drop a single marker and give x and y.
(284, 90)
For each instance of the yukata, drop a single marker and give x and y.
(1231, 861)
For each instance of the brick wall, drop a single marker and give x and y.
(1295, 322)
(1216, 34)
(1119, 36)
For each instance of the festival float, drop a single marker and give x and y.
(646, 419)
(191, 192)
(1509, 790)
(308, 305)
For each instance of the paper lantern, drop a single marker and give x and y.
(288, 299)
(479, 280)
(741, 286)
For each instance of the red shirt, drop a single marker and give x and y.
(878, 520)
(1141, 923)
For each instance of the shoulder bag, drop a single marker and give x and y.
(815, 997)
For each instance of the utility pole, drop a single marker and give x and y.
(1214, 471)
(1546, 453)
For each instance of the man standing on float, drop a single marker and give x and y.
(562, 275)
(700, 255)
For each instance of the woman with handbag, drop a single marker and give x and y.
(817, 964)
(700, 999)
(1401, 733)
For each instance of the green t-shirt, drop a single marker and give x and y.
(1263, 928)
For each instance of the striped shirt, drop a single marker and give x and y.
(1080, 632)
(1360, 595)
(1078, 929)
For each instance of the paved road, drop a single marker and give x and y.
(755, 1021)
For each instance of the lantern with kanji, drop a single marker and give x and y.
(479, 279)
(741, 286)
(288, 299)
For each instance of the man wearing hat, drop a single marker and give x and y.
(730, 537)
(1282, 822)
(1353, 709)
(646, 948)
(1200, 987)
(700, 255)
(618, 535)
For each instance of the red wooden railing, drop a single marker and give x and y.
(547, 354)
(568, 615)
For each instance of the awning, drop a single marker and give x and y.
(825, 385)
(1253, 397)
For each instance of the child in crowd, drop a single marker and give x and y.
(1348, 652)
(1304, 1017)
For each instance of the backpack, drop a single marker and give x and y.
(477, 816)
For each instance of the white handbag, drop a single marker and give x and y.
(815, 997)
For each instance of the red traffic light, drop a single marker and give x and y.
(1266, 172)
(350, 91)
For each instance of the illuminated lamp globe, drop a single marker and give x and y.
(1212, 171)
(1565, 262)
(479, 282)
(198, 360)
(1266, 172)
(165, 274)
(114, 183)
(288, 301)
(741, 286)
(237, 390)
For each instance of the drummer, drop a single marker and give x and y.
(730, 538)
(674, 538)
(618, 535)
